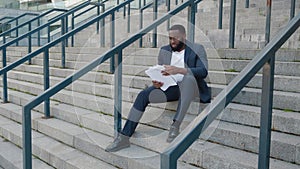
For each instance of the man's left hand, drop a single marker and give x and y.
(172, 70)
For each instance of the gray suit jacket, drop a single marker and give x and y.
(196, 61)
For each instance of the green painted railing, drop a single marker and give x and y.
(16, 19)
(115, 52)
(29, 23)
(264, 59)
(6, 17)
(232, 23)
(63, 18)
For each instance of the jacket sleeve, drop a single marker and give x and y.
(199, 71)
(200, 67)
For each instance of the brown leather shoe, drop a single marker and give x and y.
(119, 143)
(173, 133)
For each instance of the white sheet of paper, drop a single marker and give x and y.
(154, 73)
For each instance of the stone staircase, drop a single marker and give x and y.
(82, 123)
(83, 113)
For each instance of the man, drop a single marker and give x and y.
(187, 63)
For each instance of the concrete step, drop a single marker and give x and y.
(84, 118)
(73, 157)
(85, 141)
(11, 155)
(89, 53)
(214, 77)
(249, 96)
(287, 68)
(81, 93)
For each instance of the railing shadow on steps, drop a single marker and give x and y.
(264, 59)
(64, 25)
(115, 52)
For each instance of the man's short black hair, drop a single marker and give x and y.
(180, 28)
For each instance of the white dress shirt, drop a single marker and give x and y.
(178, 61)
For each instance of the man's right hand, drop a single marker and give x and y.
(157, 84)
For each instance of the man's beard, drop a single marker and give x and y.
(178, 47)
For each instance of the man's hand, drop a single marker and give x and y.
(157, 84)
(172, 70)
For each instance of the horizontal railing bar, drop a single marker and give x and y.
(51, 91)
(23, 24)
(84, 11)
(41, 27)
(146, 6)
(60, 39)
(6, 17)
(202, 121)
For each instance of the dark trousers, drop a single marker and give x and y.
(184, 92)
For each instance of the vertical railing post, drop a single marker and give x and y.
(220, 14)
(293, 6)
(141, 27)
(145, 2)
(167, 162)
(266, 114)
(17, 32)
(46, 83)
(118, 2)
(128, 18)
(247, 4)
(140, 4)
(154, 35)
(124, 11)
(48, 34)
(66, 30)
(27, 145)
(5, 73)
(29, 42)
(118, 93)
(102, 28)
(63, 43)
(39, 33)
(168, 9)
(191, 21)
(98, 13)
(72, 25)
(268, 21)
(232, 23)
(112, 41)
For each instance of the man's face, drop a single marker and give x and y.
(176, 40)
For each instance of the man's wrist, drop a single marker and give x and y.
(183, 71)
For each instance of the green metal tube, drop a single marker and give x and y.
(154, 35)
(112, 42)
(266, 114)
(29, 42)
(46, 83)
(220, 14)
(118, 93)
(293, 6)
(232, 23)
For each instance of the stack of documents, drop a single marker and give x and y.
(154, 73)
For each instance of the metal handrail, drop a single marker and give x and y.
(63, 19)
(43, 26)
(233, 16)
(27, 146)
(20, 16)
(141, 19)
(16, 19)
(6, 17)
(31, 20)
(202, 121)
